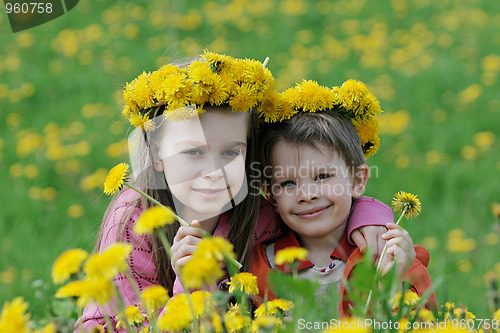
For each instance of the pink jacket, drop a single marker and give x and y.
(367, 211)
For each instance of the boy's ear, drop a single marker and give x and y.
(360, 178)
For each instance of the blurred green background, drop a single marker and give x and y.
(434, 65)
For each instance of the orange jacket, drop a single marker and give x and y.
(417, 275)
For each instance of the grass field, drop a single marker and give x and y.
(434, 65)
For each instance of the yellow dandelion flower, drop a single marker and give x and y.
(67, 264)
(153, 219)
(310, 96)
(88, 290)
(14, 317)
(157, 77)
(220, 91)
(139, 93)
(407, 202)
(202, 302)
(496, 315)
(234, 308)
(267, 323)
(109, 262)
(133, 316)
(215, 247)
(245, 282)
(449, 306)
(237, 69)
(243, 98)
(367, 129)
(271, 108)
(426, 315)
(115, 178)
(235, 322)
(199, 271)
(200, 72)
(254, 73)
(270, 308)
(218, 62)
(142, 121)
(355, 97)
(154, 297)
(217, 322)
(178, 99)
(370, 148)
(169, 86)
(200, 94)
(177, 315)
(127, 111)
(290, 255)
(495, 209)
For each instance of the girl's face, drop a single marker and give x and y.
(203, 160)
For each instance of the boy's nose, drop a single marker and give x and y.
(307, 193)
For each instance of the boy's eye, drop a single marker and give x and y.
(323, 176)
(287, 183)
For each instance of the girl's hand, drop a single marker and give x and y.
(185, 242)
(370, 237)
(400, 250)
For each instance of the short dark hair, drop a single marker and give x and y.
(312, 128)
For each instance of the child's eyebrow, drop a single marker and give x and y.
(190, 143)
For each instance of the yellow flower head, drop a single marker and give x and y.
(495, 209)
(177, 315)
(133, 316)
(235, 322)
(215, 79)
(245, 282)
(290, 255)
(266, 323)
(352, 99)
(67, 264)
(215, 247)
(96, 289)
(270, 308)
(202, 302)
(153, 219)
(408, 203)
(154, 297)
(199, 271)
(115, 179)
(109, 262)
(14, 317)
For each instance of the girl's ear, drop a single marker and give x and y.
(360, 179)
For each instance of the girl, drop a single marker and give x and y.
(194, 149)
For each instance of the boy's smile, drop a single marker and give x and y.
(313, 190)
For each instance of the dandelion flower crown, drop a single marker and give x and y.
(352, 99)
(215, 79)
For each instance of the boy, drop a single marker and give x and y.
(314, 169)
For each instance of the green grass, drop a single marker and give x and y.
(419, 58)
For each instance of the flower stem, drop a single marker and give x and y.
(177, 217)
(377, 271)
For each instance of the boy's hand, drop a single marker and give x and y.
(400, 250)
(185, 242)
(370, 237)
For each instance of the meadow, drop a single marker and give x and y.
(434, 65)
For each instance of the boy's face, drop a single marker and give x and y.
(313, 190)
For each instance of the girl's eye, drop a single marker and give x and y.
(287, 183)
(192, 152)
(231, 153)
(323, 176)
